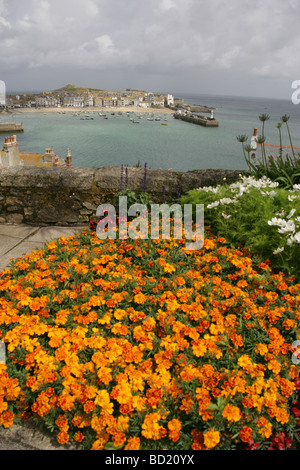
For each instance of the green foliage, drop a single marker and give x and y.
(134, 197)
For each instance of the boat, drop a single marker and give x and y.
(150, 119)
(164, 123)
(157, 119)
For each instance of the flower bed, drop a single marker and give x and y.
(138, 344)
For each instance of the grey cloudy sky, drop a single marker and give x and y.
(233, 47)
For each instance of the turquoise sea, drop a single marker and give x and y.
(178, 145)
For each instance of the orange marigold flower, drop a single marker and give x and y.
(287, 387)
(140, 298)
(169, 268)
(78, 436)
(265, 427)
(151, 429)
(62, 437)
(133, 443)
(261, 349)
(289, 323)
(246, 434)
(232, 413)
(211, 438)
(7, 419)
(174, 427)
(180, 281)
(120, 329)
(89, 406)
(199, 347)
(274, 366)
(282, 286)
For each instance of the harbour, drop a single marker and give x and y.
(111, 139)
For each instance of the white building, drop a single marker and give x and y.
(75, 101)
(169, 100)
(47, 101)
(89, 101)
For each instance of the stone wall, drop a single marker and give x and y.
(70, 196)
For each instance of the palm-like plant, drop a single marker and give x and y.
(263, 118)
(285, 119)
(242, 138)
(261, 140)
(280, 138)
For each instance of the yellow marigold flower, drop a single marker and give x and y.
(274, 366)
(138, 403)
(119, 314)
(265, 427)
(151, 429)
(211, 438)
(169, 268)
(245, 362)
(120, 329)
(174, 427)
(123, 423)
(232, 413)
(3, 405)
(199, 347)
(261, 349)
(140, 298)
(102, 398)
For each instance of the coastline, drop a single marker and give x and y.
(94, 109)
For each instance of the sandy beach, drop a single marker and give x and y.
(91, 109)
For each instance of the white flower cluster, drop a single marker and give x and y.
(239, 188)
(224, 200)
(287, 226)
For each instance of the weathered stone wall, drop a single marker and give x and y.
(70, 196)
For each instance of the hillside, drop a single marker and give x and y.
(84, 90)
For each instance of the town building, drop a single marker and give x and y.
(10, 155)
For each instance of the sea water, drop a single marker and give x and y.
(178, 145)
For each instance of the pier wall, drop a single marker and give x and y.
(8, 127)
(198, 120)
(70, 196)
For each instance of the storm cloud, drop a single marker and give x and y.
(243, 47)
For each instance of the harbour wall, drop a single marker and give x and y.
(70, 196)
(198, 120)
(7, 127)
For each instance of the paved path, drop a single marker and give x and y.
(16, 241)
